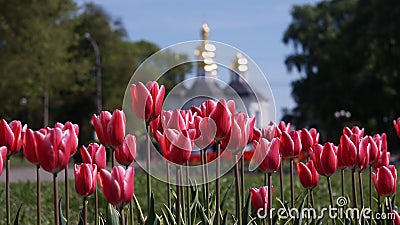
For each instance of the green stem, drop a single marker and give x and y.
(122, 213)
(360, 186)
(66, 194)
(183, 195)
(353, 181)
(169, 185)
(370, 193)
(8, 206)
(96, 207)
(269, 198)
(84, 211)
(218, 186)
(203, 175)
(342, 176)
(178, 197)
(38, 207)
(242, 179)
(331, 196)
(237, 191)
(312, 198)
(55, 191)
(148, 178)
(291, 184)
(188, 195)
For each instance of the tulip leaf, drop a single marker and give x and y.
(225, 220)
(81, 218)
(112, 215)
(102, 221)
(152, 216)
(299, 220)
(170, 214)
(139, 210)
(225, 197)
(246, 213)
(17, 215)
(203, 216)
(166, 220)
(61, 218)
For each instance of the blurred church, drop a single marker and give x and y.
(206, 84)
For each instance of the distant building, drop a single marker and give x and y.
(206, 86)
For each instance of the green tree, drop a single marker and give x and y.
(346, 52)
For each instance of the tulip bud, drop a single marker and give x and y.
(266, 156)
(125, 153)
(85, 179)
(325, 159)
(147, 100)
(3, 154)
(94, 154)
(385, 180)
(117, 186)
(259, 198)
(307, 174)
(396, 124)
(10, 136)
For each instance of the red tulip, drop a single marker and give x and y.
(325, 159)
(147, 100)
(284, 127)
(396, 219)
(308, 175)
(29, 145)
(117, 186)
(308, 140)
(55, 147)
(355, 130)
(347, 152)
(110, 129)
(3, 154)
(72, 128)
(94, 154)
(375, 148)
(290, 144)
(125, 154)
(383, 160)
(248, 155)
(363, 154)
(85, 179)
(10, 136)
(256, 134)
(222, 117)
(385, 180)
(177, 147)
(266, 155)
(259, 198)
(396, 124)
(207, 107)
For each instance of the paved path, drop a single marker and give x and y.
(29, 174)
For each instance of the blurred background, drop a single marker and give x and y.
(329, 63)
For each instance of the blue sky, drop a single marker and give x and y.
(254, 27)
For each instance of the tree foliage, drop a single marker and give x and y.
(348, 54)
(43, 48)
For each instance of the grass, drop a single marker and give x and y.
(24, 193)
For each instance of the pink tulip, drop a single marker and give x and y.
(147, 100)
(266, 155)
(125, 154)
(55, 147)
(290, 144)
(3, 154)
(110, 129)
(85, 179)
(355, 130)
(207, 107)
(94, 154)
(10, 136)
(205, 132)
(29, 145)
(221, 115)
(375, 148)
(363, 154)
(308, 175)
(117, 186)
(347, 152)
(396, 124)
(385, 180)
(238, 137)
(396, 219)
(284, 127)
(177, 147)
(383, 160)
(308, 140)
(325, 159)
(259, 198)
